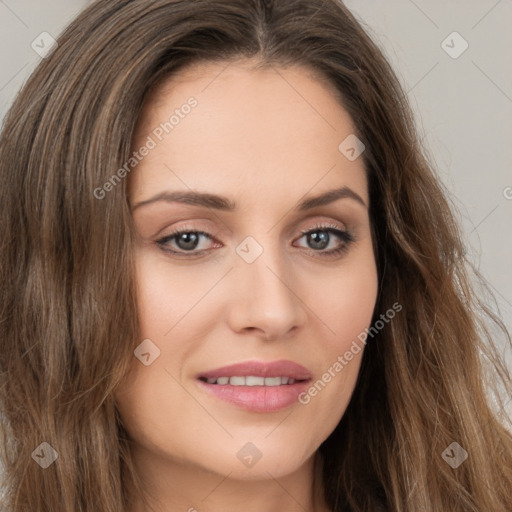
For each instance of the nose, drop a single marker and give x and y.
(266, 296)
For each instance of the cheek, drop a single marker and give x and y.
(168, 294)
(344, 304)
(147, 402)
(346, 301)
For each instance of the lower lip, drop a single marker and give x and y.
(257, 398)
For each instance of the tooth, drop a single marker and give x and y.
(251, 380)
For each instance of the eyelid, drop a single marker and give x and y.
(323, 226)
(346, 236)
(189, 227)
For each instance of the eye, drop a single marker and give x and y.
(186, 242)
(320, 237)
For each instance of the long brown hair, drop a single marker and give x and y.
(68, 322)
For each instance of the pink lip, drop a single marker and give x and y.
(258, 398)
(281, 368)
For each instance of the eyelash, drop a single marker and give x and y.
(345, 236)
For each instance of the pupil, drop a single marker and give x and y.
(319, 237)
(318, 240)
(190, 240)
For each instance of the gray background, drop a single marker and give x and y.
(463, 105)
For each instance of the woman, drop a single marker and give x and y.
(231, 278)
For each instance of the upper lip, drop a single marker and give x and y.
(281, 368)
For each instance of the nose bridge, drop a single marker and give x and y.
(268, 271)
(265, 260)
(265, 295)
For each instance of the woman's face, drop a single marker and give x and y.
(253, 290)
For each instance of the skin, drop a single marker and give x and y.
(266, 139)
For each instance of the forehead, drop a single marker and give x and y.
(252, 128)
(248, 71)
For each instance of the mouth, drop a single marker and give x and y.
(257, 386)
(251, 380)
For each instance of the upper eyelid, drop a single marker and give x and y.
(321, 220)
(319, 225)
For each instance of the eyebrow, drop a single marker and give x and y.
(223, 203)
